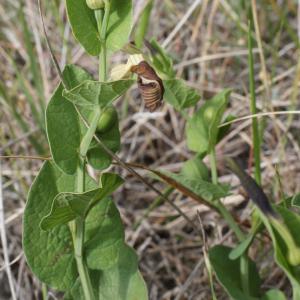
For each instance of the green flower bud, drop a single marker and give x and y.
(108, 118)
(95, 4)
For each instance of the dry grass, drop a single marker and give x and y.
(209, 48)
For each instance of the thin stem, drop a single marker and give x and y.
(102, 24)
(44, 291)
(255, 130)
(213, 166)
(85, 143)
(81, 266)
(77, 230)
(231, 222)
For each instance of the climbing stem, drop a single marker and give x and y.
(102, 17)
(77, 231)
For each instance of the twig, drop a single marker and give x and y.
(264, 114)
(181, 23)
(24, 157)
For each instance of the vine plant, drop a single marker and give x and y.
(73, 235)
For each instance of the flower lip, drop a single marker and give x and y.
(134, 69)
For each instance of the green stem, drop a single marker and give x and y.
(85, 143)
(44, 291)
(77, 226)
(77, 230)
(102, 24)
(81, 266)
(255, 130)
(230, 220)
(213, 166)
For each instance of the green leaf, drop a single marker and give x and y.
(123, 281)
(229, 275)
(104, 235)
(219, 103)
(90, 94)
(142, 26)
(160, 59)
(206, 190)
(296, 200)
(240, 249)
(97, 157)
(179, 95)
(49, 254)
(84, 25)
(274, 294)
(62, 123)
(197, 133)
(119, 25)
(195, 168)
(68, 206)
(202, 129)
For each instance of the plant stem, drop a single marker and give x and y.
(231, 222)
(213, 166)
(81, 266)
(44, 291)
(77, 230)
(255, 130)
(102, 23)
(85, 143)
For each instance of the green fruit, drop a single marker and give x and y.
(108, 118)
(95, 4)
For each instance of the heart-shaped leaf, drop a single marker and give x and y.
(50, 253)
(63, 124)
